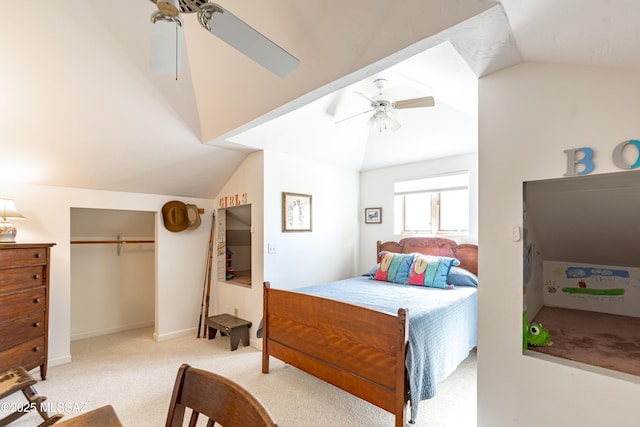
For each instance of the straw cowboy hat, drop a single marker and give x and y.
(178, 216)
(193, 217)
(174, 214)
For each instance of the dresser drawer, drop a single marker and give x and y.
(28, 355)
(22, 257)
(24, 294)
(14, 279)
(21, 303)
(22, 329)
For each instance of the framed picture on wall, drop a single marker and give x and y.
(373, 215)
(296, 212)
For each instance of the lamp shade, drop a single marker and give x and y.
(8, 210)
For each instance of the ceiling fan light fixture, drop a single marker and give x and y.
(383, 117)
(380, 120)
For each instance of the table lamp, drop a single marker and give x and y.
(8, 211)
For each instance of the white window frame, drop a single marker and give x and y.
(434, 185)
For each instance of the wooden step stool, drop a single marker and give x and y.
(15, 380)
(227, 324)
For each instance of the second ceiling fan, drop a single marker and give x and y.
(382, 107)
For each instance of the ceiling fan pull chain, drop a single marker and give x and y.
(177, 47)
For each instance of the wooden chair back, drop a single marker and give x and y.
(216, 397)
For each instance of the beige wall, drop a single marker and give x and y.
(111, 291)
(228, 298)
(529, 114)
(180, 257)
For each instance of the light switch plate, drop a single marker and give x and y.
(515, 233)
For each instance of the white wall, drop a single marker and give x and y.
(180, 257)
(533, 296)
(231, 298)
(529, 114)
(376, 190)
(111, 291)
(330, 251)
(604, 277)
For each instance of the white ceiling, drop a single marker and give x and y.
(79, 107)
(334, 123)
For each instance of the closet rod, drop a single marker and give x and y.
(86, 242)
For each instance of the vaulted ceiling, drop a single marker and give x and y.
(80, 108)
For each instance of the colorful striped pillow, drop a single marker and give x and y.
(394, 267)
(431, 271)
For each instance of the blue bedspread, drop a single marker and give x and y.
(443, 325)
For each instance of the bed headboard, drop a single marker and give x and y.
(467, 254)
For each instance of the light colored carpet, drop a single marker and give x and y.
(135, 374)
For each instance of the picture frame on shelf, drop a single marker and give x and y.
(373, 215)
(296, 212)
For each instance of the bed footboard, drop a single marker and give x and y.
(356, 349)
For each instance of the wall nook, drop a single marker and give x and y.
(234, 245)
(581, 268)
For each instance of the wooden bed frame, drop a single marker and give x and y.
(332, 340)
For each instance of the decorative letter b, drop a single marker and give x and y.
(586, 160)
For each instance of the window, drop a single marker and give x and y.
(434, 205)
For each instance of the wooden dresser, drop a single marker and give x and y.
(24, 305)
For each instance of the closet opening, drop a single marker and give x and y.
(112, 271)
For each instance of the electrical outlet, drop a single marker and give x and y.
(271, 248)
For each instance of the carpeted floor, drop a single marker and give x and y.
(598, 339)
(136, 374)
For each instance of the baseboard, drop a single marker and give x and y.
(112, 330)
(59, 361)
(176, 334)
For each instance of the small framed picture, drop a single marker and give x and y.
(373, 216)
(296, 212)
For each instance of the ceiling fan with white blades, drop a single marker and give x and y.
(230, 29)
(383, 117)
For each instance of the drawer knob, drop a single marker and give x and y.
(36, 300)
(36, 324)
(38, 255)
(35, 349)
(36, 276)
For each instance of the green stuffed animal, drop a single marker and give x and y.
(538, 336)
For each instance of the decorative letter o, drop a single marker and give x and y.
(617, 155)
